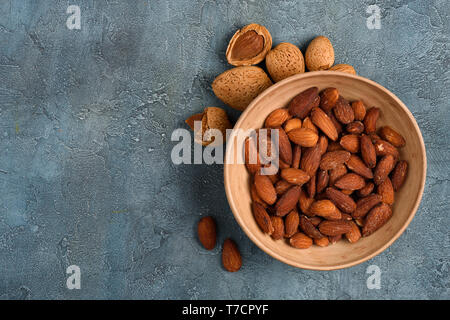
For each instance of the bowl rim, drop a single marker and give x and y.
(273, 253)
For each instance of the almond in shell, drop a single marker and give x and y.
(284, 61)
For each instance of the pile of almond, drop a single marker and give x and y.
(337, 174)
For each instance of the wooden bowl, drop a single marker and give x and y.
(342, 254)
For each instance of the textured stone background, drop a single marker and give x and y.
(85, 123)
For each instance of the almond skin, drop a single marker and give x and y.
(328, 98)
(355, 127)
(350, 142)
(284, 61)
(351, 181)
(376, 218)
(206, 231)
(326, 209)
(304, 137)
(365, 204)
(295, 176)
(343, 111)
(392, 136)
(301, 104)
(310, 160)
(324, 123)
(341, 200)
(291, 223)
(231, 257)
(354, 234)
(399, 174)
(309, 229)
(276, 118)
(368, 152)
(356, 165)
(331, 160)
(334, 228)
(284, 145)
(278, 227)
(237, 87)
(300, 241)
(288, 201)
(359, 109)
(262, 218)
(386, 191)
(370, 120)
(384, 167)
(265, 189)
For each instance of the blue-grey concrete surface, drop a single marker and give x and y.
(86, 118)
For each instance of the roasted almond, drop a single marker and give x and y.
(399, 174)
(366, 190)
(335, 227)
(262, 218)
(252, 160)
(392, 136)
(328, 98)
(343, 111)
(365, 204)
(300, 241)
(296, 156)
(350, 142)
(368, 152)
(324, 123)
(370, 120)
(295, 176)
(277, 117)
(355, 127)
(309, 229)
(278, 227)
(325, 209)
(337, 173)
(291, 124)
(384, 167)
(284, 146)
(334, 239)
(356, 165)
(383, 148)
(231, 257)
(354, 234)
(331, 160)
(336, 123)
(307, 123)
(305, 202)
(350, 181)
(265, 189)
(322, 180)
(304, 137)
(359, 109)
(322, 242)
(310, 160)
(376, 218)
(341, 200)
(323, 144)
(282, 186)
(301, 104)
(291, 223)
(206, 231)
(288, 201)
(255, 197)
(386, 191)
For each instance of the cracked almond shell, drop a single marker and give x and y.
(249, 45)
(211, 118)
(237, 87)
